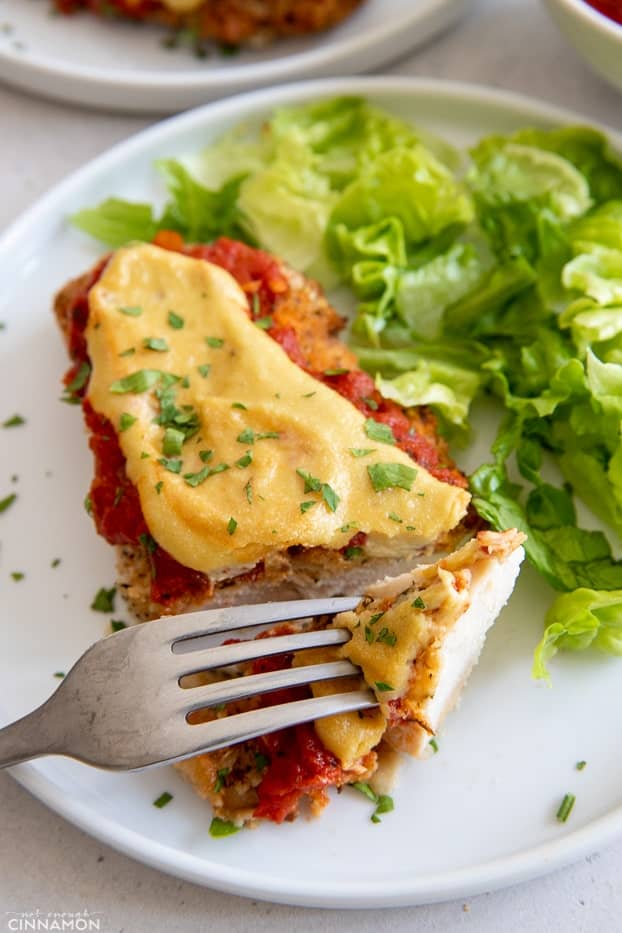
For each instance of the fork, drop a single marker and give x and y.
(122, 707)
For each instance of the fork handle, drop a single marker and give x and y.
(25, 739)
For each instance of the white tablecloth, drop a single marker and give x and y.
(47, 864)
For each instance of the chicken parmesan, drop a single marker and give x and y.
(231, 22)
(241, 455)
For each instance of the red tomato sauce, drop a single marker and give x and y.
(609, 8)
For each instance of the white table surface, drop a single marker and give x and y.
(47, 864)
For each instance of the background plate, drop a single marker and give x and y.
(123, 66)
(480, 813)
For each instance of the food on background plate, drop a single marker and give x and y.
(612, 9)
(231, 22)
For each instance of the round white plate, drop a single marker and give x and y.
(480, 813)
(124, 66)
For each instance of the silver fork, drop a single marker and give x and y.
(121, 706)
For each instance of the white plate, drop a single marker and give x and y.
(481, 813)
(119, 65)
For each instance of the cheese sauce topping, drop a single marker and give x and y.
(235, 451)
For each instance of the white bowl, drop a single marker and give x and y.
(596, 37)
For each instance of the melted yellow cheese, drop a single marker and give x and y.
(237, 517)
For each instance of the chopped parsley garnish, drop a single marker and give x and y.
(580, 765)
(206, 455)
(175, 321)
(185, 419)
(387, 637)
(55, 562)
(17, 575)
(433, 745)
(418, 603)
(218, 828)
(204, 369)
(248, 489)
(195, 479)
(118, 495)
(88, 505)
(172, 465)
(156, 343)
(376, 431)
(129, 352)
(172, 442)
(126, 421)
(351, 552)
(305, 506)
(248, 436)
(410, 528)
(13, 422)
(395, 518)
(264, 322)
(104, 600)
(221, 774)
(231, 526)
(312, 483)
(148, 542)
(78, 382)
(261, 761)
(244, 461)
(117, 625)
(239, 405)
(214, 342)
(185, 382)
(158, 487)
(309, 394)
(140, 381)
(362, 451)
(338, 371)
(382, 687)
(369, 635)
(330, 497)
(565, 808)
(350, 526)
(59, 674)
(384, 803)
(371, 403)
(162, 800)
(391, 475)
(132, 311)
(144, 455)
(373, 619)
(7, 501)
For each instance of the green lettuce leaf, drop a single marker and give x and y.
(580, 620)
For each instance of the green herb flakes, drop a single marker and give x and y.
(386, 637)
(158, 487)
(339, 371)
(231, 526)
(383, 803)
(382, 687)
(172, 442)
(244, 461)
(59, 674)
(261, 761)
(391, 475)
(175, 321)
(239, 405)
(580, 765)
(433, 745)
(206, 455)
(376, 431)
(362, 451)
(104, 600)
(129, 352)
(140, 381)
(305, 506)
(312, 483)
(162, 800)
(195, 479)
(117, 625)
(173, 465)
(565, 808)
(369, 635)
(126, 421)
(204, 369)
(221, 775)
(158, 344)
(17, 575)
(14, 421)
(395, 518)
(55, 562)
(214, 342)
(7, 502)
(418, 603)
(131, 311)
(265, 323)
(248, 489)
(219, 828)
(350, 553)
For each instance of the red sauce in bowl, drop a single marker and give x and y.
(612, 9)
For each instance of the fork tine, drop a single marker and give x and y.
(209, 736)
(237, 688)
(224, 655)
(179, 630)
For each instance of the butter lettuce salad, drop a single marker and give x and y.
(495, 271)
